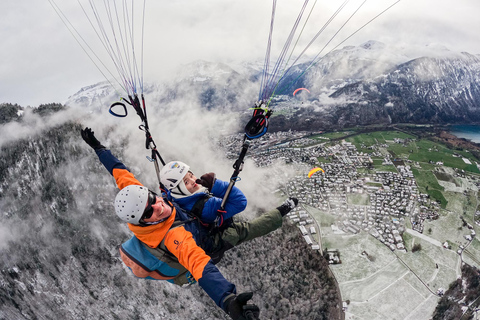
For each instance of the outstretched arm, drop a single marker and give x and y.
(181, 244)
(117, 169)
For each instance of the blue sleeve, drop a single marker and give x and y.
(215, 285)
(109, 160)
(181, 243)
(236, 203)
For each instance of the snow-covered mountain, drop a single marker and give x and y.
(355, 85)
(424, 90)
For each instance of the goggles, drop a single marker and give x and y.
(152, 199)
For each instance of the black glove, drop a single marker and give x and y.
(207, 180)
(89, 137)
(238, 309)
(287, 206)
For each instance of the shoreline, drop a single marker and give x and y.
(457, 141)
(477, 142)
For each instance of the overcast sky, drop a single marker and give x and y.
(40, 62)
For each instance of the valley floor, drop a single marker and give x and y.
(400, 213)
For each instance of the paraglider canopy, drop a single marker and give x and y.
(315, 170)
(299, 89)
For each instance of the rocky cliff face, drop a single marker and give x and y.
(424, 90)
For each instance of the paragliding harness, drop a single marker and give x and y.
(159, 263)
(154, 263)
(215, 227)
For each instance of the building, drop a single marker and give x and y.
(303, 230)
(308, 240)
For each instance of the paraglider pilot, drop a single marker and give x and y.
(150, 217)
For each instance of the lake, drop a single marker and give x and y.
(469, 132)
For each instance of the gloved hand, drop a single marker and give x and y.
(238, 309)
(287, 206)
(89, 137)
(207, 180)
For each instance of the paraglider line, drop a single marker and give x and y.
(83, 44)
(315, 61)
(285, 88)
(285, 70)
(271, 84)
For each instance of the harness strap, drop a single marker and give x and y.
(199, 205)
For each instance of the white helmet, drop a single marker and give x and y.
(171, 176)
(130, 203)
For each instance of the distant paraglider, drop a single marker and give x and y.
(294, 92)
(315, 170)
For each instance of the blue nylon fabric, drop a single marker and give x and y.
(135, 249)
(215, 285)
(236, 203)
(109, 160)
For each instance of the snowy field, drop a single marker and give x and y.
(381, 284)
(386, 288)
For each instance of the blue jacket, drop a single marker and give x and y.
(236, 202)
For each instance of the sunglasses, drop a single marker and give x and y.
(152, 199)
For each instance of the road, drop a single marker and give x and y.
(424, 237)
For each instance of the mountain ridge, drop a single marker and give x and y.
(357, 85)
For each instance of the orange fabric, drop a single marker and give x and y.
(154, 234)
(124, 178)
(181, 243)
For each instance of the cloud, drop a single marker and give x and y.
(33, 124)
(6, 235)
(42, 63)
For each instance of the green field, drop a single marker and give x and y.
(389, 168)
(430, 151)
(372, 138)
(423, 150)
(402, 151)
(324, 160)
(427, 183)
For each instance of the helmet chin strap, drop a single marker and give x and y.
(178, 190)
